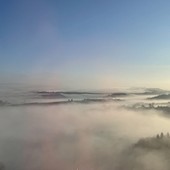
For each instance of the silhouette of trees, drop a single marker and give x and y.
(157, 136)
(160, 141)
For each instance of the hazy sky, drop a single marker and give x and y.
(85, 43)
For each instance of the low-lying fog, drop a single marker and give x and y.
(77, 136)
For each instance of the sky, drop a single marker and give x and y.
(85, 44)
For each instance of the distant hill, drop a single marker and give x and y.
(118, 94)
(70, 92)
(50, 94)
(162, 96)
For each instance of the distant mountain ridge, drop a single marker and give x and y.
(162, 96)
(118, 94)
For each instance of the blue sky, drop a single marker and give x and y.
(85, 43)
